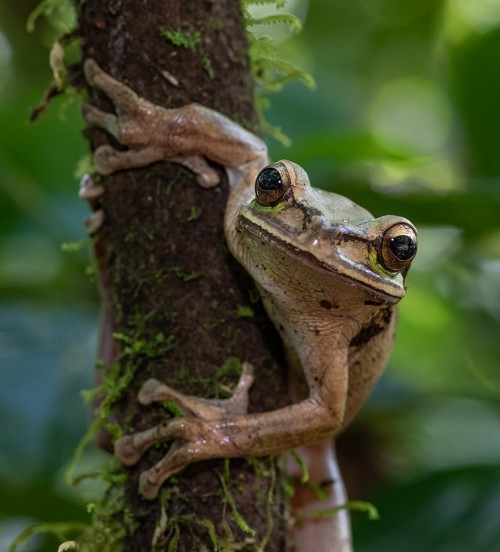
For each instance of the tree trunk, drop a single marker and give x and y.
(183, 309)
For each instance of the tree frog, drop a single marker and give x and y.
(329, 274)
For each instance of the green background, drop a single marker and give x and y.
(405, 119)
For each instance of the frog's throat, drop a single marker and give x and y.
(377, 284)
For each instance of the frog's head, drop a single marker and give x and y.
(328, 231)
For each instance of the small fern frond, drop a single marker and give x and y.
(247, 3)
(273, 74)
(270, 72)
(60, 14)
(262, 47)
(292, 21)
(275, 132)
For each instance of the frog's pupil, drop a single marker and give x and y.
(270, 180)
(403, 247)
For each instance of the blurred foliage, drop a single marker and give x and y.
(404, 120)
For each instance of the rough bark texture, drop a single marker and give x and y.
(175, 290)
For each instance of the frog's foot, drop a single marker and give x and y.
(134, 126)
(94, 221)
(108, 160)
(91, 192)
(206, 176)
(194, 434)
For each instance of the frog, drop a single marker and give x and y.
(329, 273)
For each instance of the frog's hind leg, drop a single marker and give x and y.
(108, 160)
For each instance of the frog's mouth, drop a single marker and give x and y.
(387, 288)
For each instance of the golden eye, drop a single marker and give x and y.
(398, 247)
(271, 184)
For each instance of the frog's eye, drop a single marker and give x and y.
(272, 184)
(398, 247)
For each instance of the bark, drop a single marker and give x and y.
(179, 300)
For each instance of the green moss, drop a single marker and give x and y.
(253, 296)
(183, 274)
(152, 347)
(244, 311)
(171, 529)
(215, 535)
(232, 366)
(228, 498)
(207, 66)
(111, 519)
(168, 188)
(212, 323)
(218, 386)
(184, 39)
(172, 407)
(271, 474)
(117, 378)
(193, 214)
(85, 165)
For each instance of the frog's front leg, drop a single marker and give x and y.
(186, 135)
